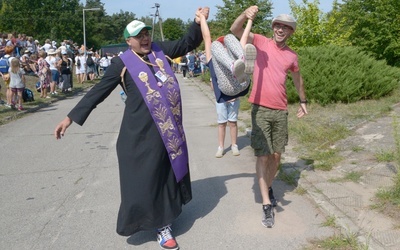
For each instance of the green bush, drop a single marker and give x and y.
(335, 74)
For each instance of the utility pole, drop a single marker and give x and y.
(157, 16)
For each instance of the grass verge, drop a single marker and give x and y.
(7, 114)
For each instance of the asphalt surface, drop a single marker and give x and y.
(65, 194)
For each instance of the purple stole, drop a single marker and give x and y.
(163, 99)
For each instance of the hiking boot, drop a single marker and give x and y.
(250, 54)
(220, 152)
(165, 238)
(235, 150)
(274, 201)
(268, 219)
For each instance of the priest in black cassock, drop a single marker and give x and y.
(151, 147)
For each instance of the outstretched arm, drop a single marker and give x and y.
(205, 30)
(246, 33)
(237, 26)
(62, 127)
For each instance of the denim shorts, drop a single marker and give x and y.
(269, 132)
(55, 75)
(228, 111)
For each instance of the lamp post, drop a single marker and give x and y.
(84, 32)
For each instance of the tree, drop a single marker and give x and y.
(227, 14)
(310, 29)
(42, 19)
(93, 23)
(375, 27)
(173, 28)
(113, 27)
(337, 30)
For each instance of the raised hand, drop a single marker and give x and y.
(202, 11)
(251, 12)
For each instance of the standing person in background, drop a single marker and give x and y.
(104, 63)
(66, 67)
(191, 63)
(269, 134)
(47, 45)
(17, 82)
(178, 65)
(8, 50)
(225, 64)
(184, 66)
(80, 62)
(154, 173)
(44, 74)
(54, 61)
(203, 62)
(31, 45)
(90, 66)
(96, 58)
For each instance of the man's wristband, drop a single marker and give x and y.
(305, 101)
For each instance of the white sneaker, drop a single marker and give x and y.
(250, 54)
(220, 152)
(235, 150)
(238, 70)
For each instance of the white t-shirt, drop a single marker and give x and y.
(104, 62)
(15, 79)
(52, 61)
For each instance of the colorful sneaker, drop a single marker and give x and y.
(274, 201)
(165, 238)
(20, 108)
(268, 219)
(235, 150)
(238, 68)
(220, 152)
(250, 54)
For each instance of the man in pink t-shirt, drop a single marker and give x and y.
(269, 111)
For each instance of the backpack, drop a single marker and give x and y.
(89, 61)
(4, 65)
(38, 87)
(27, 95)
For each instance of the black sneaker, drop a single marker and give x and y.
(268, 219)
(274, 202)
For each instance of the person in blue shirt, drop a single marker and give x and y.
(229, 79)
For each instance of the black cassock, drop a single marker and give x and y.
(150, 196)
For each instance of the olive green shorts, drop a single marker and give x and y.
(269, 130)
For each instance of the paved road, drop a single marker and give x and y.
(65, 194)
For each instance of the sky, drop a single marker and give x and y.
(185, 9)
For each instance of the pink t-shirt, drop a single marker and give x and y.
(270, 71)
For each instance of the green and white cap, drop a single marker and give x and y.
(134, 27)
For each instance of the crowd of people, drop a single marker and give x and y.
(191, 64)
(53, 65)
